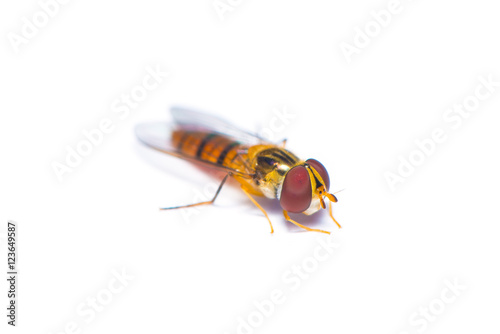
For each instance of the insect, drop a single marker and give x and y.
(261, 167)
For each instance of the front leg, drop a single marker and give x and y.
(287, 217)
(260, 207)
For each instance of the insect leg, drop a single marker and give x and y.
(287, 217)
(261, 208)
(201, 203)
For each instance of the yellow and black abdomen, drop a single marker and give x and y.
(266, 163)
(211, 147)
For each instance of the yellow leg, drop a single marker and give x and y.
(261, 208)
(331, 215)
(287, 217)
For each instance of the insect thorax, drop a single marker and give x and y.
(271, 163)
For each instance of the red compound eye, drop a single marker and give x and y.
(296, 194)
(321, 171)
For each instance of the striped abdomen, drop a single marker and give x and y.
(211, 147)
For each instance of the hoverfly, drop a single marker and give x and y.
(261, 167)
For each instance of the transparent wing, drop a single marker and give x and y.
(158, 136)
(195, 120)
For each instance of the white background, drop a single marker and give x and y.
(199, 275)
